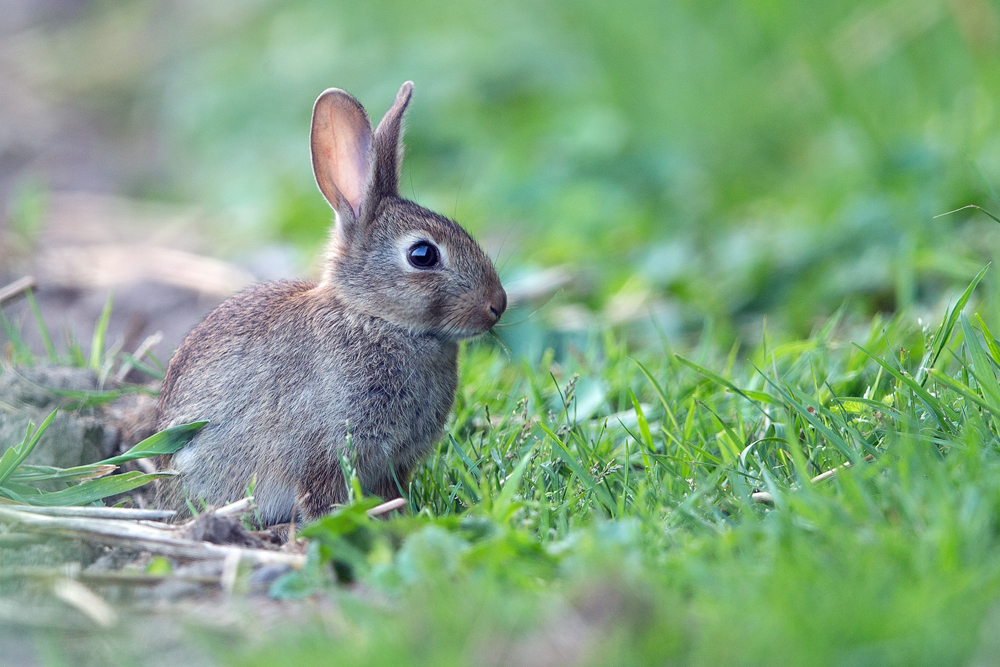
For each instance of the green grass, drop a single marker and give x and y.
(83, 484)
(602, 505)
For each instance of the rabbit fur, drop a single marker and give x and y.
(289, 373)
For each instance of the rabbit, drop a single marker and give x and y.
(291, 375)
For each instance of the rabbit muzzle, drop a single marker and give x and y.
(497, 304)
(474, 315)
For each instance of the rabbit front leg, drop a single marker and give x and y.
(386, 487)
(319, 490)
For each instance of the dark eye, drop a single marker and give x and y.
(423, 255)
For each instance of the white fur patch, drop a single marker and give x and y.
(183, 460)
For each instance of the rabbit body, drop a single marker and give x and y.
(391, 390)
(293, 375)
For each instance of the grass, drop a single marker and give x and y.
(25, 484)
(602, 506)
(600, 509)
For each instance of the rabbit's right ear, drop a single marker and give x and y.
(341, 143)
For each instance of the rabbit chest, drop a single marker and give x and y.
(389, 391)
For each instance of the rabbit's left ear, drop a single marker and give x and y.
(388, 147)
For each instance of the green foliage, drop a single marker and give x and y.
(97, 352)
(637, 530)
(20, 482)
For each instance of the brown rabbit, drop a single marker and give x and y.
(285, 371)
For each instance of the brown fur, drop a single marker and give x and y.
(285, 371)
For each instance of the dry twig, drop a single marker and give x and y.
(77, 595)
(765, 498)
(155, 537)
(99, 512)
(16, 288)
(151, 341)
(386, 507)
(102, 577)
(234, 509)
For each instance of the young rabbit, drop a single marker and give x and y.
(291, 374)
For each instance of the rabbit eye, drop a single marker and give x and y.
(423, 255)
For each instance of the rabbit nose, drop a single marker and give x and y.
(498, 304)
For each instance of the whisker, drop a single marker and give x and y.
(506, 236)
(503, 265)
(503, 345)
(461, 184)
(529, 315)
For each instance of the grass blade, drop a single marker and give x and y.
(647, 437)
(22, 354)
(43, 331)
(947, 326)
(933, 405)
(95, 489)
(831, 436)
(981, 364)
(966, 392)
(963, 208)
(660, 394)
(15, 456)
(588, 482)
(501, 509)
(100, 334)
(753, 396)
(167, 441)
(28, 473)
(472, 467)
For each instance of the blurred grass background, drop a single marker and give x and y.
(688, 162)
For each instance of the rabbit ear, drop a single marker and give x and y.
(342, 156)
(389, 145)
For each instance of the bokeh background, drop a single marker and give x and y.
(668, 167)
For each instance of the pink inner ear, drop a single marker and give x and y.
(350, 166)
(341, 145)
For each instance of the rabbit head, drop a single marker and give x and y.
(387, 256)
